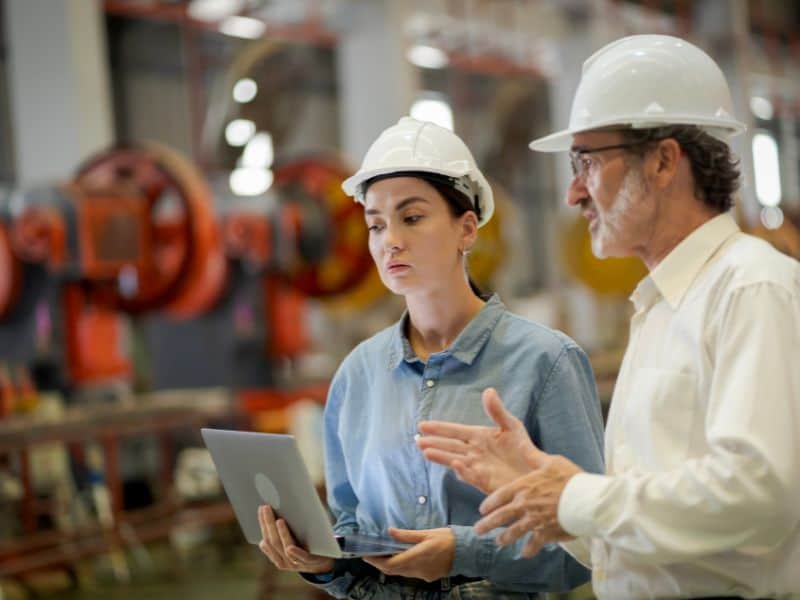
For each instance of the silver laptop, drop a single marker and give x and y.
(265, 468)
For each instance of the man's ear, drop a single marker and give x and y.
(664, 161)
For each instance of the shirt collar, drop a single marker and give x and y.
(677, 271)
(465, 347)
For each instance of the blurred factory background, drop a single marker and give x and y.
(176, 251)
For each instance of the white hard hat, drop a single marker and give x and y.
(420, 146)
(646, 81)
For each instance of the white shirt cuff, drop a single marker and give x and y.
(577, 508)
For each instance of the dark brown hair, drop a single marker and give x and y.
(714, 168)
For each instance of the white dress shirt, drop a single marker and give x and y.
(702, 492)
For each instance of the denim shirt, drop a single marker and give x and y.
(376, 476)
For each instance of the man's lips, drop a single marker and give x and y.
(394, 267)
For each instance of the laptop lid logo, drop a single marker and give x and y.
(267, 490)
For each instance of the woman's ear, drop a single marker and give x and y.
(469, 229)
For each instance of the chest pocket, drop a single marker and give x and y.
(659, 418)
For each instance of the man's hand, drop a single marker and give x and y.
(279, 546)
(430, 558)
(485, 457)
(530, 505)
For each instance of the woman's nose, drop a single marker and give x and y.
(391, 239)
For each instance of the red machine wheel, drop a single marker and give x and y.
(10, 274)
(185, 268)
(346, 261)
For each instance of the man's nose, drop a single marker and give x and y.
(577, 194)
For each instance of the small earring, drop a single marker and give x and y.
(464, 252)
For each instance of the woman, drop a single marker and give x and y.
(424, 201)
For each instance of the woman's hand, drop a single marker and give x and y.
(429, 559)
(280, 547)
(485, 457)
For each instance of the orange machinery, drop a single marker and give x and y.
(10, 272)
(133, 231)
(314, 246)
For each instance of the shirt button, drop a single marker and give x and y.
(430, 383)
(417, 436)
(422, 499)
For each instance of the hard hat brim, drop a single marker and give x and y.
(350, 185)
(561, 141)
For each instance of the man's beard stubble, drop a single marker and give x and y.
(612, 224)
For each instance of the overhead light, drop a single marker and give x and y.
(766, 165)
(434, 110)
(427, 57)
(128, 281)
(762, 108)
(772, 217)
(248, 181)
(213, 10)
(239, 131)
(243, 27)
(16, 203)
(259, 152)
(245, 90)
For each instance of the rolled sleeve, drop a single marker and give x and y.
(474, 554)
(337, 583)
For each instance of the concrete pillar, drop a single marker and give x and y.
(376, 82)
(574, 48)
(59, 89)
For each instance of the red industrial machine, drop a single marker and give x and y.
(314, 246)
(10, 272)
(133, 231)
(136, 233)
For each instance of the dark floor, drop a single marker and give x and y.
(211, 566)
(200, 564)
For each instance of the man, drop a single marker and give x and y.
(701, 496)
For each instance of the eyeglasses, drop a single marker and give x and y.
(582, 164)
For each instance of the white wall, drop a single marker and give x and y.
(58, 86)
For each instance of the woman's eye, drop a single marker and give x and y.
(374, 227)
(411, 219)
